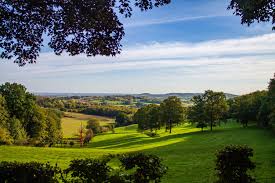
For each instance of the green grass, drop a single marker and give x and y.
(188, 153)
(72, 122)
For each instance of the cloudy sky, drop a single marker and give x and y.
(186, 46)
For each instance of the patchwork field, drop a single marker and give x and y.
(188, 152)
(71, 122)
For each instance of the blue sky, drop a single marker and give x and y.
(187, 46)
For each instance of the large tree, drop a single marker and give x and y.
(252, 11)
(171, 110)
(196, 112)
(215, 106)
(91, 27)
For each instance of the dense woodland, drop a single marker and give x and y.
(23, 121)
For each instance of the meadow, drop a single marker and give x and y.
(71, 122)
(188, 152)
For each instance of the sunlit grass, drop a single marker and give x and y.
(188, 152)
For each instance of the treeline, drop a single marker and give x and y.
(108, 110)
(22, 121)
(152, 117)
(77, 105)
(210, 109)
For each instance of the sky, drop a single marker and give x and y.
(186, 46)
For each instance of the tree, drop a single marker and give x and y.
(4, 114)
(17, 131)
(140, 117)
(148, 117)
(252, 11)
(94, 125)
(153, 117)
(75, 26)
(5, 137)
(232, 164)
(196, 112)
(122, 119)
(214, 106)
(171, 111)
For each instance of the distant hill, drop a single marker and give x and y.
(184, 96)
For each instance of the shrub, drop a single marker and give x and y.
(88, 170)
(28, 172)
(71, 143)
(135, 168)
(147, 167)
(232, 164)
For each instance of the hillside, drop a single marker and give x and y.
(187, 151)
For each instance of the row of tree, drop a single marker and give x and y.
(210, 109)
(258, 107)
(22, 121)
(153, 116)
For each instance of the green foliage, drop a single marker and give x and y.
(94, 125)
(208, 109)
(5, 138)
(148, 117)
(122, 119)
(147, 167)
(196, 113)
(232, 164)
(11, 172)
(251, 107)
(215, 106)
(4, 115)
(24, 119)
(252, 11)
(135, 168)
(171, 112)
(71, 143)
(88, 170)
(17, 131)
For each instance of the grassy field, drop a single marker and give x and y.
(71, 122)
(188, 153)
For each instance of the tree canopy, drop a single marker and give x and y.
(90, 27)
(252, 11)
(23, 121)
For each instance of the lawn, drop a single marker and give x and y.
(71, 122)
(188, 152)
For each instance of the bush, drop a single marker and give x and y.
(135, 168)
(232, 164)
(147, 167)
(71, 143)
(88, 170)
(27, 172)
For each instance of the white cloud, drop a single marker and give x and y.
(217, 60)
(170, 20)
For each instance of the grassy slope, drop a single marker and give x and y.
(188, 152)
(72, 122)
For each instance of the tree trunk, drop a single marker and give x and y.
(211, 125)
(170, 126)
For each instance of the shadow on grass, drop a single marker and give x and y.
(115, 141)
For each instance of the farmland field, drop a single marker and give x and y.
(188, 152)
(71, 122)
